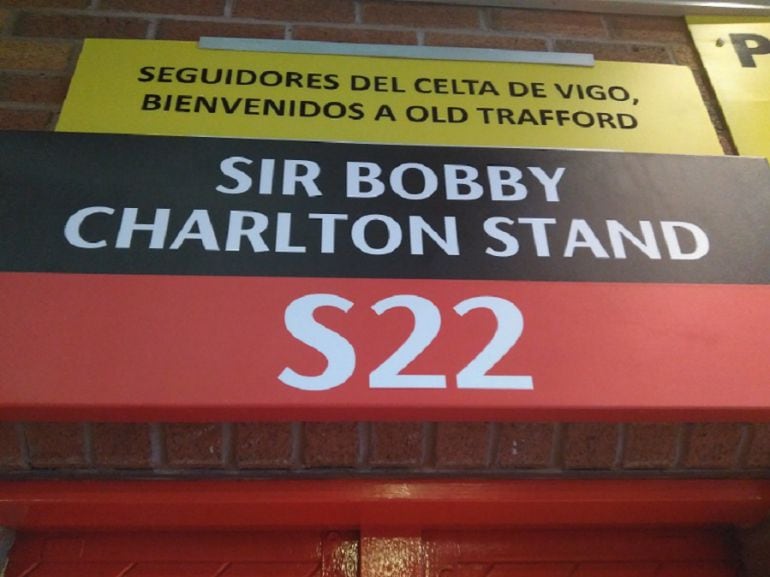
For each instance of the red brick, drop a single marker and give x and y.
(330, 444)
(194, 445)
(121, 445)
(33, 88)
(24, 119)
(414, 15)
(396, 444)
(17, 54)
(342, 11)
(189, 30)
(357, 35)
(55, 445)
(553, 23)
(46, 3)
(619, 52)
(462, 445)
(713, 446)
(498, 41)
(263, 445)
(187, 7)
(648, 28)
(10, 448)
(651, 445)
(759, 450)
(62, 26)
(686, 55)
(590, 445)
(525, 445)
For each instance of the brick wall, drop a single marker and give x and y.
(725, 450)
(39, 45)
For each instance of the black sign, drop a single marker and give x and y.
(93, 203)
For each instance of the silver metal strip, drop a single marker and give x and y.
(394, 51)
(647, 7)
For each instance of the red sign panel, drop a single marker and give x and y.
(207, 279)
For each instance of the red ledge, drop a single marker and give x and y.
(97, 505)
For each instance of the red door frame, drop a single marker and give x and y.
(369, 503)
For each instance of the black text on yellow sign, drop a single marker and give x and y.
(174, 88)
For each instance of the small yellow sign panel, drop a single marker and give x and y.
(736, 54)
(175, 88)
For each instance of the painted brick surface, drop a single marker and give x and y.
(590, 445)
(23, 54)
(415, 15)
(193, 445)
(485, 40)
(46, 3)
(357, 35)
(651, 445)
(618, 52)
(525, 445)
(193, 30)
(263, 445)
(396, 444)
(298, 10)
(24, 120)
(330, 444)
(37, 88)
(10, 447)
(187, 7)
(759, 450)
(55, 445)
(61, 26)
(555, 23)
(686, 55)
(462, 445)
(713, 445)
(648, 28)
(121, 445)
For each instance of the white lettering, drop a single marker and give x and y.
(157, 227)
(418, 227)
(430, 181)
(356, 177)
(394, 235)
(236, 230)
(701, 240)
(327, 229)
(549, 182)
(74, 222)
(581, 236)
(618, 232)
(198, 219)
(492, 228)
(502, 176)
(242, 180)
(292, 177)
(458, 175)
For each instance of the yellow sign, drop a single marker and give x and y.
(736, 54)
(175, 88)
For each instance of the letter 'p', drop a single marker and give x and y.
(747, 46)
